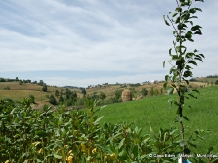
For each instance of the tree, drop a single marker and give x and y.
(41, 82)
(152, 91)
(144, 92)
(118, 93)
(181, 60)
(161, 91)
(16, 79)
(52, 100)
(44, 87)
(83, 91)
(32, 98)
(156, 92)
(102, 95)
(61, 99)
(20, 82)
(216, 82)
(73, 97)
(56, 93)
(67, 93)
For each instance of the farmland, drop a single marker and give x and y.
(62, 128)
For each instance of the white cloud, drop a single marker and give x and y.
(91, 35)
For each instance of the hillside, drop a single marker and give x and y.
(155, 112)
(19, 92)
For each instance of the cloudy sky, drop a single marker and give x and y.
(88, 42)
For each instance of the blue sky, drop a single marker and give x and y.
(89, 42)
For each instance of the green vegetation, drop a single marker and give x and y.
(54, 135)
(156, 112)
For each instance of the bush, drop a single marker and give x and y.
(56, 135)
(7, 88)
(52, 100)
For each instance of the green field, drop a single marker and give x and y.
(155, 112)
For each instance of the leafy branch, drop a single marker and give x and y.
(181, 60)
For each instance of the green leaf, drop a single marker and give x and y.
(196, 27)
(166, 77)
(174, 14)
(165, 21)
(172, 132)
(170, 51)
(187, 74)
(186, 118)
(170, 91)
(193, 17)
(198, 9)
(121, 143)
(183, 143)
(192, 10)
(97, 120)
(165, 85)
(188, 34)
(57, 156)
(198, 32)
(195, 90)
(179, 9)
(202, 55)
(193, 62)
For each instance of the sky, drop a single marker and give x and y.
(90, 42)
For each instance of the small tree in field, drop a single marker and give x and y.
(102, 96)
(182, 60)
(44, 87)
(144, 92)
(52, 100)
(56, 92)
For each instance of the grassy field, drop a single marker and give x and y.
(150, 111)
(155, 112)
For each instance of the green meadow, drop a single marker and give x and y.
(156, 112)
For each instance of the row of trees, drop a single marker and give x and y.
(70, 98)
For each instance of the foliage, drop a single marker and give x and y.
(83, 91)
(61, 99)
(32, 98)
(156, 92)
(57, 92)
(152, 91)
(216, 82)
(102, 95)
(118, 94)
(52, 100)
(20, 82)
(7, 88)
(181, 60)
(144, 92)
(41, 82)
(56, 135)
(44, 87)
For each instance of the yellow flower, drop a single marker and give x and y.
(112, 155)
(83, 148)
(94, 150)
(7, 161)
(70, 159)
(41, 150)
